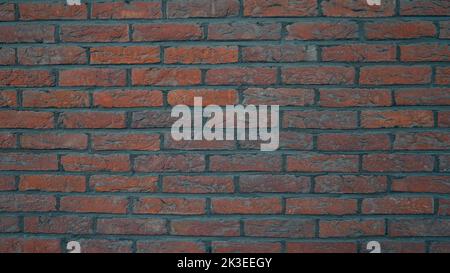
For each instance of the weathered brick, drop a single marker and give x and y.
(29, 245)
(7, 56)
(321, 206)
(237, 163)
(49, 141)
(419, 184)
(131, 226)
(92, 120)
(209, 96)
(337, 8)
(396, 29)
(353, 142)
(279, 96)
(422, 141)
(244, 31)
(246, 205)
(274, 8)
(424, 7)
(202, 8)
(105, 246)
(341, 97)
(28, 162)
(423, 96)
(398, 205)
(26, 78)
(397, 247)
(27, 33)
(170, 163)
(49, 11)
(318, 75)
(7, 12)
(359, 53)
(7, 141)
(92, 163)
(205, 227)
(321, 247)
(94, 33)
(201, 55)
(419, 227)
(322, 30)
(388, 75)
(55, 99)
(127, 10)
(241, 76)
(198, 184)
(94, 204)
(444, 119)
(8, 98)
(152, 119)
(279, 53)
(58, 224)
(397, 119)
(162, 246)
(26, 119)
(280, 228)
(170, 205)
(7, 183)
(443, 75)
(27, 203)
(117, 183)
(425, 53)
(314, 162)
(351, 228)
(444, 207)
(166, 76)
(320, 119)
(92, 77)
(166, 32)
(274, 183)
(9, 224)
(245, 247)
(52, 183)
(128, 98)
(137, 142)
(125, 55)
(397, 163)
(350, 184)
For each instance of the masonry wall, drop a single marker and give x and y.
(85, 146)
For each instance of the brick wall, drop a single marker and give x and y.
(85, 146)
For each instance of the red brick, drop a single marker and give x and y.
(29, 245)
(95, 163)
(7, 55)
(322, 30)
(166, 32)
(241, 76)
(313, 162)
(166, 76)
(320, 119)
(425, 7)
(7, 141)
(169, 163)
(359, 53)
(58, 224)
(337, 8)
(242, 163)
(7, 183)
(170, 205)
(397, 163)
(9, 224)
(396, 29)
(274, 184)
(341, 97)
(209, 96)
(423, 96)
(48, 11)
(274, 8)
(7, 12)
(55, 99)
(8, 98)
(288, 141)
(322, 75)
(246, 205)
(350, 184)
(152, 119)
(321, 247)
(398, 205)
(27, 203)
(49, 141)
(244, 31)
(422, 141)
(188, 145)
(425, 53)
(116, 183)
(388, 75)
(279, 53)
(92, 120)
(279, 96)
(351, 228)
(221, 227)
(202, 8)
(444, 163)
(161, 246)
(444, 119)
(200, 55)
(419, 227)
(444, 207)
(442, 75)
(421, 184)
(131, 226)
(26, 78)
(114, 142)
(52, 183)
(245, 247)
(95, 204)
(444, 30)
(397, 119)
(293, 228)
(28, 162)
(125, 55)
(27, 33)
(353, 142)
(321, 206)
(94, 33)
(128, 98)
(105, 246)
(92, 77)
(198, 184)
(127, 10)
(440, 247)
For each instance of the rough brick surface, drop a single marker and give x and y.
(86, 152)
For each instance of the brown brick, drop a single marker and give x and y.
(169, 163)
(238, 163)
(322, 75)
(205, 227)
(58, 224)
(198, 184)
(274, 8)
(388, 75)
(350, 184)
(92, 120)
(28, 162)
(166, 76)
(397, 163)
(322, 30)
(423, 96)
(274, 184)
(321, 206)
(397, 119)
(200, 55)
(55, 99)
(92, 163)
(92, 77)
(125, 55)
(170, 205)
(246, 205)
(209, 96)
(421, 184)
(244, 31)
(117, 183)
(321, 247)
(137, 142)
(202, 8)
(27, 33)
(293, 228)
(160, 246)
(245, 247)
(27, 203)
(131, 226)
(95, 204)
(49, 141)
(52, 183)
(396, 29)
(351, 228)
(398, 205)
(353, 142)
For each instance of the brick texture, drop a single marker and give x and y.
(86, 150)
